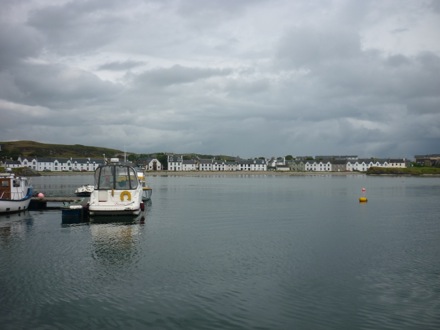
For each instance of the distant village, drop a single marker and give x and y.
(178, 163)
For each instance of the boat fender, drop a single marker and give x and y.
(125, 193)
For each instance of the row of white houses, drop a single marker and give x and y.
(60, 164)
(360, 165)
(350, 164)
(71, 164)
(178, 163)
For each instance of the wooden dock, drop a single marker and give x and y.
(56, 203)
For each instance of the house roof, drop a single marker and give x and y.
(174, 158)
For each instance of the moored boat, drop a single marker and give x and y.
(15, 193)
(84, 190)
(117, 191)
(147, 191)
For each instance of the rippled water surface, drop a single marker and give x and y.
(231, 252)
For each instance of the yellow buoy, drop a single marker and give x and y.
(363, 199)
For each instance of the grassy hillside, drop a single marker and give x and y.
(15, 149)
(404, 171)
(35, 149)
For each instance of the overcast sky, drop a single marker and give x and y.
(245, 78)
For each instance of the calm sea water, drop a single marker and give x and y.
(231, 252)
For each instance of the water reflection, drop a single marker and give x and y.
(81, 216)
(115, 239)
(74, 217)
(15, 225)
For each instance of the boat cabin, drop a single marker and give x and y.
(117, 177)
(12, 187)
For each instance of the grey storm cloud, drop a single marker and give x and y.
(179, 75)
(308, 47)
(120, 65)
(246, 78)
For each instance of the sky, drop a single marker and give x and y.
(248, 78)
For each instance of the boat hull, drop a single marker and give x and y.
(115, 202)
(112, 210)
(84, 191)
(7, 206)
(12, 206)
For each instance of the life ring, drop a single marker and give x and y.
(125, 193)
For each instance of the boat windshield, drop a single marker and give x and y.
(117, 177)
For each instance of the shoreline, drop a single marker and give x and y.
(222, 173)
(249, 173)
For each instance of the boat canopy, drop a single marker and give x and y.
(118, 177)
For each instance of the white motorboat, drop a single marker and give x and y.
(84, 190)
(147, 191)
(15, 193)
(117, 191)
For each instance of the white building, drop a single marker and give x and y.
(189, 165)
(175, 163)
(153, 164)
(61, 164)
(12, 164)
(205, 164)
(362, 165)
(318, 166)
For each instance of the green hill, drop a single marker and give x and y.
(404, 171)
(15, 149)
